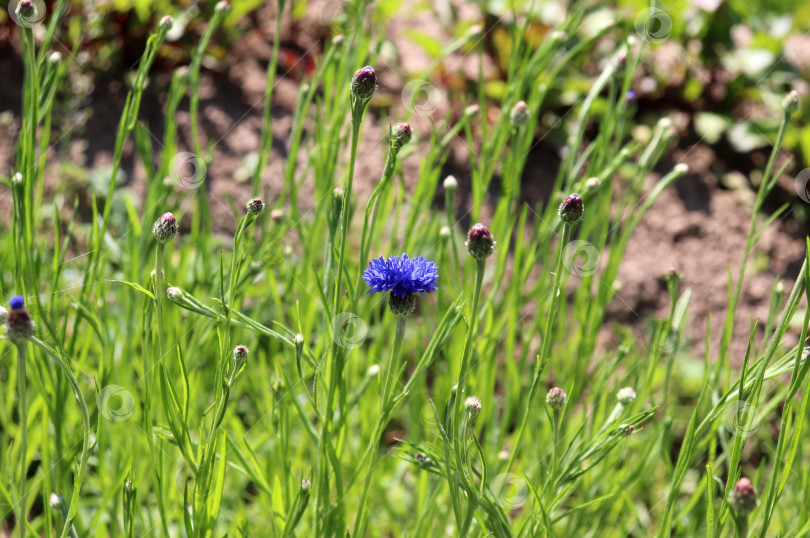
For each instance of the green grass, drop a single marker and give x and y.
(343, 420)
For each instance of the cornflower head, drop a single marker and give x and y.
(165, 228)
(254, 207)
(626, 396)
(572, 209)
(403, 277)
(364, 83)
(556, 398)
(520, 114)
(473, 405)
(19, 325)
(480, 242)
(743, 497)
(400, 135)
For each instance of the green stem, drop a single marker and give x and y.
(393, 368)
(546, 349)
(160, 293)
(21, 390)
(741, 526)
(480, 265)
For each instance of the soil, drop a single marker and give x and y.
(698, 227)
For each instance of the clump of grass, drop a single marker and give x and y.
(157, 420)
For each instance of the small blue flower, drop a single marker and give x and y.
(17, 302)
(401, 275)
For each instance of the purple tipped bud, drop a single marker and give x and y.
(240, 353)
(27, 11)
(19, 325)
(254, 207)
(364, 83)
(556, 398)
(400, 136)
(402, 306)
(165, 228)
(166, 23)
(791, 102)
(520, 114)
(743, 498)
(572, 209)
(223, 6)
(480, 243)
(306, 484)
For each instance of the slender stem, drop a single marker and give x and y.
(393, 368)
(480, 265)
(741, 526)
(159, 296)
(546, 349)
(21, 393)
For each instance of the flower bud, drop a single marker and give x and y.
(19, 325)
(27, 11)
(627, 429)
(277, 215)
(17, 179)
(592, 184)
(400, 136)
(779, 289)
(423, 459)
(174, 293)
(480, 243)
(165, 228)
(254, 207)
(791, 102)
(373, 370)
(166, 23)
(471, 111)
(445, 232)
(223, 6)
(626, 396)
(556, 398)
(473, 405)
(402, 306)
(306, 484)
(240, 353)
(572, 209)
(743, 498)
(450, 183)
(55, 57)
(364, 83)
(520, 114)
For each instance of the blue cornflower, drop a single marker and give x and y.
(401, 275)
